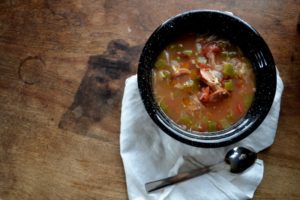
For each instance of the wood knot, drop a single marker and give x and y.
(31, 70)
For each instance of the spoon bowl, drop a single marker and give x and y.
(238, 158)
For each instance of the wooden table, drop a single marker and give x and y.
(62, 71)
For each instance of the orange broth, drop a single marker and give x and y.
(203, 83)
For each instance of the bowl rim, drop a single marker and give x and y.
(234, 133)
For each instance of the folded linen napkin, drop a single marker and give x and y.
(148, 154)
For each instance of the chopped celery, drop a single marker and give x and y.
(228, 70)
(164, 74)
(228, 85)
(212, 126)
(224, 55)
(188, 52)
(229, 53)
(160, 64)
(248, 100)
(204, 119)
(186, 120)
(232, 53)
(229, 116)
(163, 106)
(225, 123)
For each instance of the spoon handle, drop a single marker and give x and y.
(155, 185)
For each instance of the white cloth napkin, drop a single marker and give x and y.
(149, 154)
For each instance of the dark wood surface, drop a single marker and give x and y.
(62, 71)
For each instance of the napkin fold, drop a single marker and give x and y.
(149, 154)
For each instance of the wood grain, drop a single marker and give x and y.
(60, 92)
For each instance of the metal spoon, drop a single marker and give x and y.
(239, 159)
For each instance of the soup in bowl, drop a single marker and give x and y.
(203, 83)
(206, 78)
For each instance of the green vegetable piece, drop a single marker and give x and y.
(228, 70)
(186, 120)
(225, 123)
(229, 116)
(228, 85)
(224, 55)
(164, 74)
(248, 101)
(160, 64)
(212, 126)
(188, 52)
(178, 58)
(204, 119)
(232, 53)
(163, 106)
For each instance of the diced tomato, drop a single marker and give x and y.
(211, 48)
(239, 83)
(204, 97)
(203, 66)
(219, 126)
(184, 64)
(203, 127)
(239, 108)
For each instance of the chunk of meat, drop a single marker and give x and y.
(211, 48)
(181, 71)
(204, 95)
(218, 95)
(209, 77)
(211, 59)
(194, 104)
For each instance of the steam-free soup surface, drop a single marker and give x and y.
(203, 83)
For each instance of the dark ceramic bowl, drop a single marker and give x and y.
(237, 31)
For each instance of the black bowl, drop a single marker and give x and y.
(237, 31)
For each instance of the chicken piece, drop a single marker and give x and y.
(203, 96)
(209, 77)
(211, 59)
(194, 104)
(180, 72)
(218, 95)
